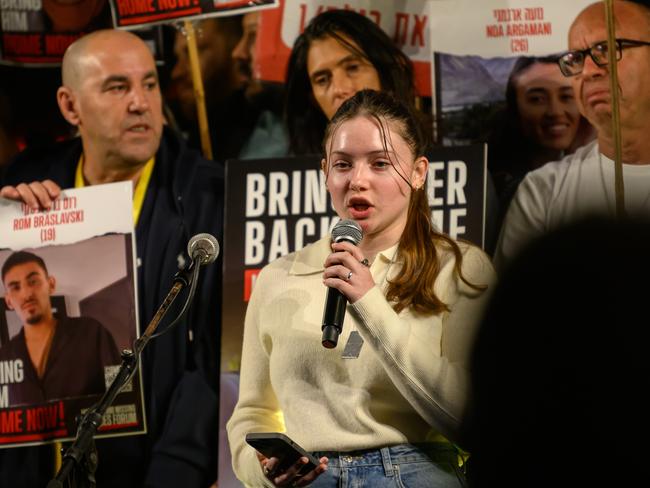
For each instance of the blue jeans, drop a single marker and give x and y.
(403, 466)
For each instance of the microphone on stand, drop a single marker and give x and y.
(204, 248)
(334, 313)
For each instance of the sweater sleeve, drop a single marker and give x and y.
(433, 378)
(257, 409)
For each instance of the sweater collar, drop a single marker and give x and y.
(311, 259)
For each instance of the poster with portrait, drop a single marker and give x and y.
(499, 83)
(477, 45)
(130, 14)
(406, 22)
(67, 309)
(37, 32)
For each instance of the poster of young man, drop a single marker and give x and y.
(37, 32)
(67, 309)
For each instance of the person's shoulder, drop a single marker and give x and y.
(52, 160)
(305, 261)
(83, 324)
(557, 170)
(476, 267)
(476, 262)
(9, 350)
(184, 160)
(196, 180)
(552, 179)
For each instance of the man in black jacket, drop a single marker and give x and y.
(110, 93)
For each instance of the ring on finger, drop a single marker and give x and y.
(349, 276)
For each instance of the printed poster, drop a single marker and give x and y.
(37, 32)
(406, 22)
(477, 44)
(130, 14)
(68, 308)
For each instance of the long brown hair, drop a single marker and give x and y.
(420, 243)
(357, 33)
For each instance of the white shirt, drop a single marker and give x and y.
(561, 192)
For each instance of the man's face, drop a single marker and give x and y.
(592, 85)
(244, 53)
(214, 47)
(118, 101)
(28, 289)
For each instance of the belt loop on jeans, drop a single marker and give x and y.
(385, 458)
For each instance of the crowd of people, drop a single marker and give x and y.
(429, 335)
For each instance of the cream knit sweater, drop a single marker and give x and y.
(410, 376)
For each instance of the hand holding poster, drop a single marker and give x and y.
(66, 314)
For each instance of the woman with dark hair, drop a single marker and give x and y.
(339, 53)
(379, 412)
(540, 123)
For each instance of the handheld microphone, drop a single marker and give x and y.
(334, 312)
(203, 248)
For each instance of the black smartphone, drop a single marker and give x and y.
(275, 444)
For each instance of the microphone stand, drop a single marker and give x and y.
(82, 454)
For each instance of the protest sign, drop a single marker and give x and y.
(37, 32)
(68, 309)
(406, 22)
(476, 45)
(135, 13)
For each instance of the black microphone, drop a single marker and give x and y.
(203, 248)
(334, 313)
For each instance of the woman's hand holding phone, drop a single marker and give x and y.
(283, 461)
(292, 476)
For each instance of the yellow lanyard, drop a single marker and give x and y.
(140, 187)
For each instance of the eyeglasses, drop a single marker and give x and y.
(572, 62)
